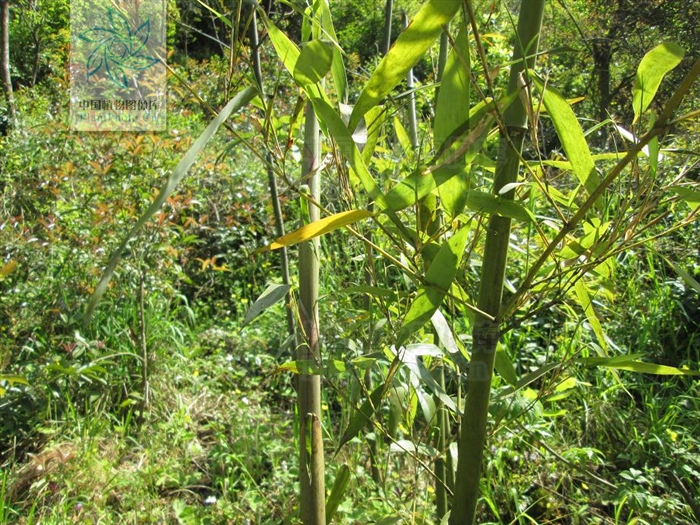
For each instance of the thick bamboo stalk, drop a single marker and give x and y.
(311, 460)
(486, 332)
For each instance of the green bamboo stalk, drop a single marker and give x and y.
(271, 179)
(410, 85)
(388, 13)
(485, 332)
(311, 461)
(428, 207)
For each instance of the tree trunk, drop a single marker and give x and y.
(486, 332)
(5, 57)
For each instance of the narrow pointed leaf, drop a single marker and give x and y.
(452, 110)
(337, 68)
(271, 296)
(504, 366)
(318, 228)
(340, 486)
(439, 277)
(584, 299)
(287, 50)
(690, 197)
(571, 135)
(240, 100)
(492, 204)
(408, 49)
(641, 367)
(652, 69)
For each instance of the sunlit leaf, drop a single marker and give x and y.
(317, 228)
(438, 278)
(8, 268)
(586, 303)
(571, 135)
(313, 63)
(639, 366)
(408, 49)
(651, 71)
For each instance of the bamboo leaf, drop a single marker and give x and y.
(452, 110)
(313, 63)
(651, 71)
(13, 379)
(690, 197)
(571, 135)
(584, 299)
(492, 204)
(236, 103)
(640, 367)
(688, 279)
(439, 277)
(408, 49)
(271, 296)
(504, 366)
(318, 228)
(286, 50)
(369, 407)
(340, 486)
(337, 68)
(362, 416)
(527, 379)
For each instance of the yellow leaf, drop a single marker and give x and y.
(8, 269)
(317, 228)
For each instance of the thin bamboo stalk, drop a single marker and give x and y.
(311, 458)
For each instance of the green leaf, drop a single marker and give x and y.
(311, 367)
(639, 366)
(272, 295)
(504, 366)
(340, 485)
(688, 279)
(690, 197)
(452, 111)
(571, 135)
(287, 50)
(527, 379)
(438, 278)
(13, 379)
(236, 103)
(492, 204)
(652, 69)
(364, 414)
(584, 299)
(318, 228)
(313, 63)
(337, 68)
(408, 49)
